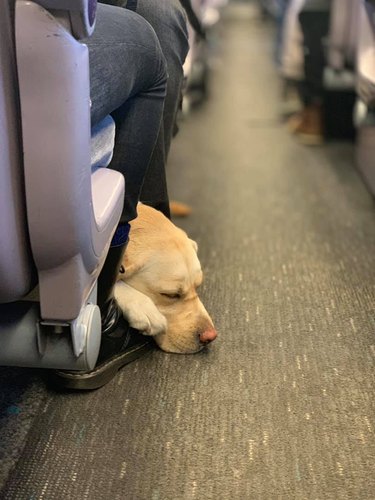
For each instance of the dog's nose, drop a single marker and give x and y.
(208, 335)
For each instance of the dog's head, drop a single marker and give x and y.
(162, 263)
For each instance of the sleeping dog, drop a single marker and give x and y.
(158, 291)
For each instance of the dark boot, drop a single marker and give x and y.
(120, 344)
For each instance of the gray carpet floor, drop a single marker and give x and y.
(281, 406)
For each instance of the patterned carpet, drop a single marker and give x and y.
(281, 406)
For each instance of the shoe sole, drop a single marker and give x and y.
(101, 375)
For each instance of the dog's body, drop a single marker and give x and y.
(158, 291)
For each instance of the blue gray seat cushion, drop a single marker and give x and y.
(102, 142)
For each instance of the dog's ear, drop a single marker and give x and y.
(128, 268)
(128, 272)
(194, 244)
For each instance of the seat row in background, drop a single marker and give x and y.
(197, 64)
(347, 69)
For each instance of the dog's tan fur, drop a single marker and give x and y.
(158, 291)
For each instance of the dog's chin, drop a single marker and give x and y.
(177, 350)
(167, 345)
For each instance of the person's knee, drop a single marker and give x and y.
(126, 30)
(174, 15)
(168, 19)
(146, 37)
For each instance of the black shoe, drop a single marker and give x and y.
(121, 344)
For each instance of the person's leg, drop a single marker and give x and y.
(314, 21)
(315, 25)
(128, 79)
(168, 19)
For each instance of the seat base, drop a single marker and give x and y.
(366, 150)
(27, 342)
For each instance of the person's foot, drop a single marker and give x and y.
(120, 345)
(179, 209)
(310, 130)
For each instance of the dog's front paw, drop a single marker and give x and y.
(145, 318)
(139, 310)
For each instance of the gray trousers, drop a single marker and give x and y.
(128, 79)
(314, 21)
(168, 19)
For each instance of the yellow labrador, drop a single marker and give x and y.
(158, 291)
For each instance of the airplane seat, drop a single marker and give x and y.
(197, 65)
(58, 214)
(342, 38)
(366, 93)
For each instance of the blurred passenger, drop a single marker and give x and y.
(291, 56)
(282, 8)
(308, 124)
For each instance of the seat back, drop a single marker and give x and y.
(71, 211)
(366, 54)
(15, 260)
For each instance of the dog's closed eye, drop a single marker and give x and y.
(171, 295)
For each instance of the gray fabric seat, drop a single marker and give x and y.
(102, 143)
